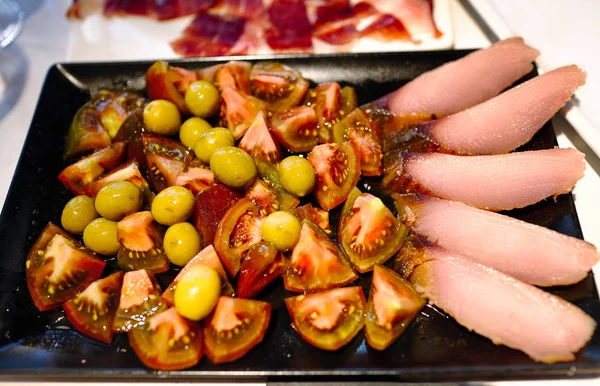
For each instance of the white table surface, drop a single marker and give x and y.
(44, 41)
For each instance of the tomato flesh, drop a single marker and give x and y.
(318, 216)
(258, 141)
(270, 175)
(92, 311)
(338, 170)
(262, 265)
(234, 328)
(296, 128)
(126, 172)
(238, 110)
(316, 263)
(160, 85)
(279, 84)
(141, 244)
(328, 320)
(139, 300)
(83, 172)
(168, 342)
(211, 206)
(263, 197)
(368, 231)
(207, 257)
(393, 305)
(196, 178)
(166, 159)
(233, 74)
(326, 100)
(58, 268)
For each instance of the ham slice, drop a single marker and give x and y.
(465, 82)
(415, 15)
(528, 252)
(290, 28)
(509, 120)
(157, 9)
(507, 311)
(493, 182)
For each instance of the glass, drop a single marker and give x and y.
(11, 21)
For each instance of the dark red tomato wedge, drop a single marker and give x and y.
(328, 320)
(58, 268)
(126, 172)
(181, 78)
(263, 197)
(141, 242)
(368, 231)
(168, 342)
(139, 300)
(338, 169)
(131, 132)
(233, 74)
(236, 233)
(262, 265)
(279, 84)
(196, 177)
(234, 328)
(326, 100)
(268, 172)
(160, 84)
(364, 135)
(166, 159)
(116, 106)
(238, 110)
(211, 206)
(393, 305)
(207, 257)
(83, 172)
(318, 216)
(258, 141)
(92, 311)
(296, 128)
(317, 263)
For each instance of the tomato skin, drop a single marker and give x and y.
(211, 206)
(295, 128)
(98, 324)
(166, 159)
(160, 85)
(270, 175)
(242, 218)
(234, 328)
(233, 74)
(168, 342)
(393, 299)
(279, 84)
(318, 216)
(338, 171)
(316, 263)
(83, 172)
(73, 260)
(262, 265)
(328, 320)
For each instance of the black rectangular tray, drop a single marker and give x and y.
(42, 346)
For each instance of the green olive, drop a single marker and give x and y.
(118, 199)
(233, 167)
(197, 292)
(172, 205)
(162, 117)
(212, 140)
(78, 213)
(181, 243)
(297, 175)
(101, 236)
(192, 129)
(282, 229)
(202, 98)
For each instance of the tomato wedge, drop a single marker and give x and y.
(316, 215)
(262, 265)
(364, 135)
(296, 128)
(328, 320)
(92, 311)
(58, 268)
(196, 177)
(279, 84)
(317, 263)
(141, 244)
(393, 305)
(238, 110)
(338, 169)
(166, 159)
(326, 100)
(161, 80)
(126, 172)
(139, 300)
(270, 175)
(233, 74)
(168, 342)
(236, 233)
(263, 197)
(207, 257)
(258, 141)
(83, 172)
(234, 328)
(211, 206)
(368, 231)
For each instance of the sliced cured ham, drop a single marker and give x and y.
(415, 15)
(509, 120)
(528, 252)
(289, 28)
(465, 82)
(493, 182)
(507, 311)
(156, 9)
